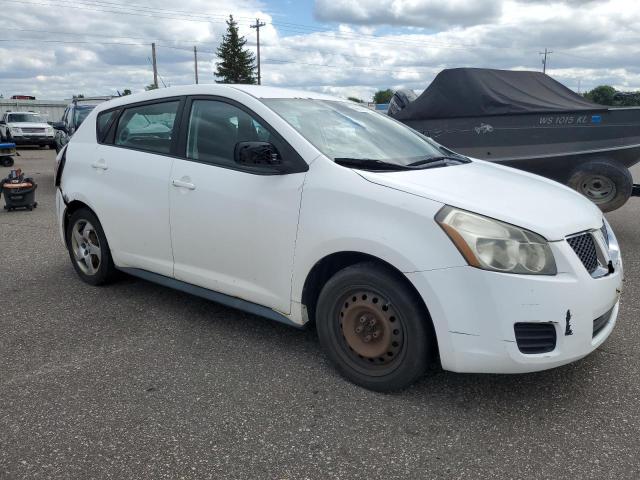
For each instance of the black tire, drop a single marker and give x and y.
(105, 270)
(605, 183)
(372, 292)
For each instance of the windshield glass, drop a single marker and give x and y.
(347, 130)
(26, 117)
(81, 113)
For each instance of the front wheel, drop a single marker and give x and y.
(374, 328)
(605, 183)
(88, 248)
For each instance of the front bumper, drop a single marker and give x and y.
(33, 139)
(474, 312)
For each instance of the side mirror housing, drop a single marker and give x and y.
(60, 126)
(258, 154)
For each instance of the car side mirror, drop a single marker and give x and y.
(60, 126)
(258, 154)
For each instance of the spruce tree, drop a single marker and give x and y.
(236, 64)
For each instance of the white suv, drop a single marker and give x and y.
(26, 128)
(301, 207)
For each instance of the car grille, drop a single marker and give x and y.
(535, 337)
(585, 248)
(32, 130)
(601, 322)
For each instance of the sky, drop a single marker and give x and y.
(54, 49)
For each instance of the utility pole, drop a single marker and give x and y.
(544, 60)
(257, 26)
(195, 58)
(155, 65)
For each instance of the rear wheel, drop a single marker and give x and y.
(374, 328)
(605, 183)
(88, 248)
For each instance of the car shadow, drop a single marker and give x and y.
(463, 391)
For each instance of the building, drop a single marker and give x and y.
(51, 109)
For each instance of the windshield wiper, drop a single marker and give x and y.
(440, 161)
(370, 164)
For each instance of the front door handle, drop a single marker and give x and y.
(183, 184)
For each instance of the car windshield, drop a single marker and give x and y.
(81, 113)
(343, 130)
(26, 117)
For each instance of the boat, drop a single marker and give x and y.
(529, 121)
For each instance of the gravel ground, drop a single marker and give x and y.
(138, 381)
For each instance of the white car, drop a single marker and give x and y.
(26, 128)
(301, 207)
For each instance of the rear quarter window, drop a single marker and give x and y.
(103, 123)
(147, 127)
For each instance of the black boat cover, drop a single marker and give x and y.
(477, 92)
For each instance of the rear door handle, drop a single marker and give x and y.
(182, 184)
(100, 165)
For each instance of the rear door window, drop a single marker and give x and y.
(147, 127)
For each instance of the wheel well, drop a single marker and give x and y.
(73, 207)
(324, 269)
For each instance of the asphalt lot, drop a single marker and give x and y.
(135, 380)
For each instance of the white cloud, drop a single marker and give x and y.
(421, 13)
(593, 43)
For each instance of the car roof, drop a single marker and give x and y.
(257, 91)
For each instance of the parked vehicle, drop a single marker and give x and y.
(528, 120)
(72, 118)
(302, 207)
(26, 128)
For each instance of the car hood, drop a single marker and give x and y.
(27, 125)
(519, 198)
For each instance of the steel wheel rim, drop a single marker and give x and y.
(85, 245)
(598, 189)
(371, 331)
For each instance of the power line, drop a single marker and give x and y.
(141, 11)
(395, 68)
(101, 35)
(269, 60)
(37, 40)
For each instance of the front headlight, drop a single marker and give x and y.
(50, 130)
(16, 130)
(493, 245)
